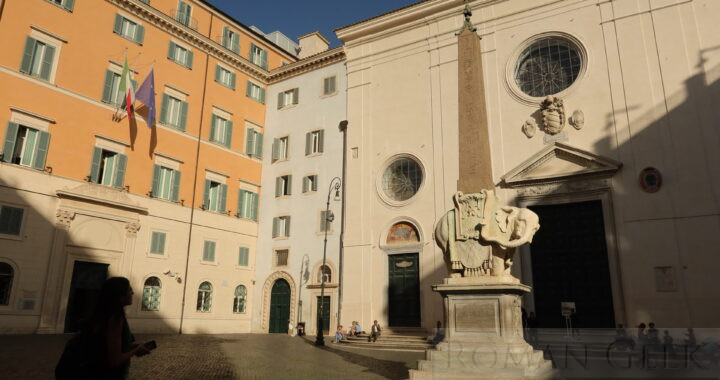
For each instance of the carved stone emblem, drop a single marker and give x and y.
(577, 120)
(529, 128)
(64, 217)
(553, 112)
(132, 228)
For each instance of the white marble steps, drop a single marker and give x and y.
(396, 339)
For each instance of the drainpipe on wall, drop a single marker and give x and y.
(194, 192)
(343, 128)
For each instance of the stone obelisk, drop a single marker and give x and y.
(482, 299)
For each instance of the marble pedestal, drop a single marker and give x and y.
(483, 333)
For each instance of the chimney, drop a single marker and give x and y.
(312, 43)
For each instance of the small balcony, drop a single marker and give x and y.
(184, 18)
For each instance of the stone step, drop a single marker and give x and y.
(395, 338)
(389, 342)
(387, 346)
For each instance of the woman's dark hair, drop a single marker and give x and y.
(109, 302)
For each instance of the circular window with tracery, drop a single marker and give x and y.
(547, 66)
(401, 179)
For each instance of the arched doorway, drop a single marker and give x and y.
(279, 307)
(403, 275)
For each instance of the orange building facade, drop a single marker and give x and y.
(87, 192)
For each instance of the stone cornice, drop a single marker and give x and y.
(308, 64)
(192, 37)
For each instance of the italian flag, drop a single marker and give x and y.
(127, 90)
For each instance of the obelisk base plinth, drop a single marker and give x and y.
(483, 335)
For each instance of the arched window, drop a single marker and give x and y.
(239, 302)
(204, 299)
(6, 280)
(151, 294)
(324, 271)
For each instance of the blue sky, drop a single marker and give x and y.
(297, 17)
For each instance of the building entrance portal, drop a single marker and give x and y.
(87, 280)
(279, 307)
(570, 264)
(404, 290)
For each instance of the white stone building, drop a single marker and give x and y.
(306, 103)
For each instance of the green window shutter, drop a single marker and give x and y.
(140, 34)
(117, 27)
(47, 62)
(161, 243)
(252, 52)
(287, 225)
(278, 186)
(248, 88)
(41, 150)
(232, 80)
(275, 153)
(171, 51)
(321, 140)
(68, 4)
(153, 242)
(254, 206)
(206, 195)
(261, 99)
(263, 59)
(189, 59)
(281, 97)
(235, 43)
(95, 165)
(120, 171)
(26, 63)
(296, 95)
(305, 184)
(244, 255)
(155, 181)
(183, 115)
(164, 108)
(314, 183)
(240, 204)
(308, 143)
(213, 126)
(289, 185)
(222, 203)
(258, 145)
(209, 251)
(217, 73)
(225, 37)
(276, 222)
(176, 185)
(250, 142)
(228, 133)
(10, 140)
(107, 88)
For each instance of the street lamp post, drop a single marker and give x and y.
(329, 217)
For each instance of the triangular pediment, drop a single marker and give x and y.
(560, 162)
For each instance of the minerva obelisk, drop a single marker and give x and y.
(482, 299)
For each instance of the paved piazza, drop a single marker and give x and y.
(238, 356)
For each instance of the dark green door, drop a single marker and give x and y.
(87, 280)
(280, 307)
(404, 290)
(325, 313)
(570, 264)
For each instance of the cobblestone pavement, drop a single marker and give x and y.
(237, 356)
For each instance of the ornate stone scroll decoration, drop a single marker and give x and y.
(577, 120)
(479, 235)
(64, 218)
(529, 128)
(132, 228)
(553, 112)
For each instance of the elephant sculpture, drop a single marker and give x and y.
(479, 235)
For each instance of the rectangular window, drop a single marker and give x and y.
(111, 89)
(243, 256)
(221, 130)
(329, 86)
(231, 40)
(173, 112)
(25, 146)
(183, 13)
(224, 77)
(165, 183)
(280, 149)
(209, 251)
(67, 4)
(247, 205)
(258, 56)
(325, 222)
(281, 226)
(11, 220)
(281, 257)
(180, 55)
(253, 143)
(128, 29)
(310, 183)
(108, 168)
(314, 142)
(157, 243)
(215, 196)
(283, 185)
(255, 92)
(38, 59)
(288, 97)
